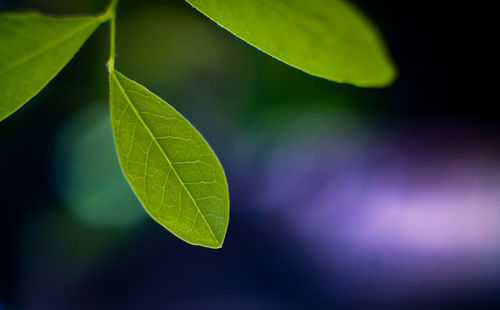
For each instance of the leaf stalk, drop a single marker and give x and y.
(111, 14)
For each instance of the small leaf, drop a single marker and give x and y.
(326, 38)
(171, 168)
(33, 49)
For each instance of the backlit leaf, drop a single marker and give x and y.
(33, 49)
(171, 168)
(326, 38)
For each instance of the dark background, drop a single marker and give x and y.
(341, 197)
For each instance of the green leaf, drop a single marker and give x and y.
(326, 38)
(171, 168)
(33, 49)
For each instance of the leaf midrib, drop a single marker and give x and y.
(113, 74)
(45, 48)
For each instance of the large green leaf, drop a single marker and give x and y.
(33, 49)
(171, 168)
(325, 38)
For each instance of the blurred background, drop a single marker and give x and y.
(341, 197)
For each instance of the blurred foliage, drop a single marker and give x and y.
(89, 177)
